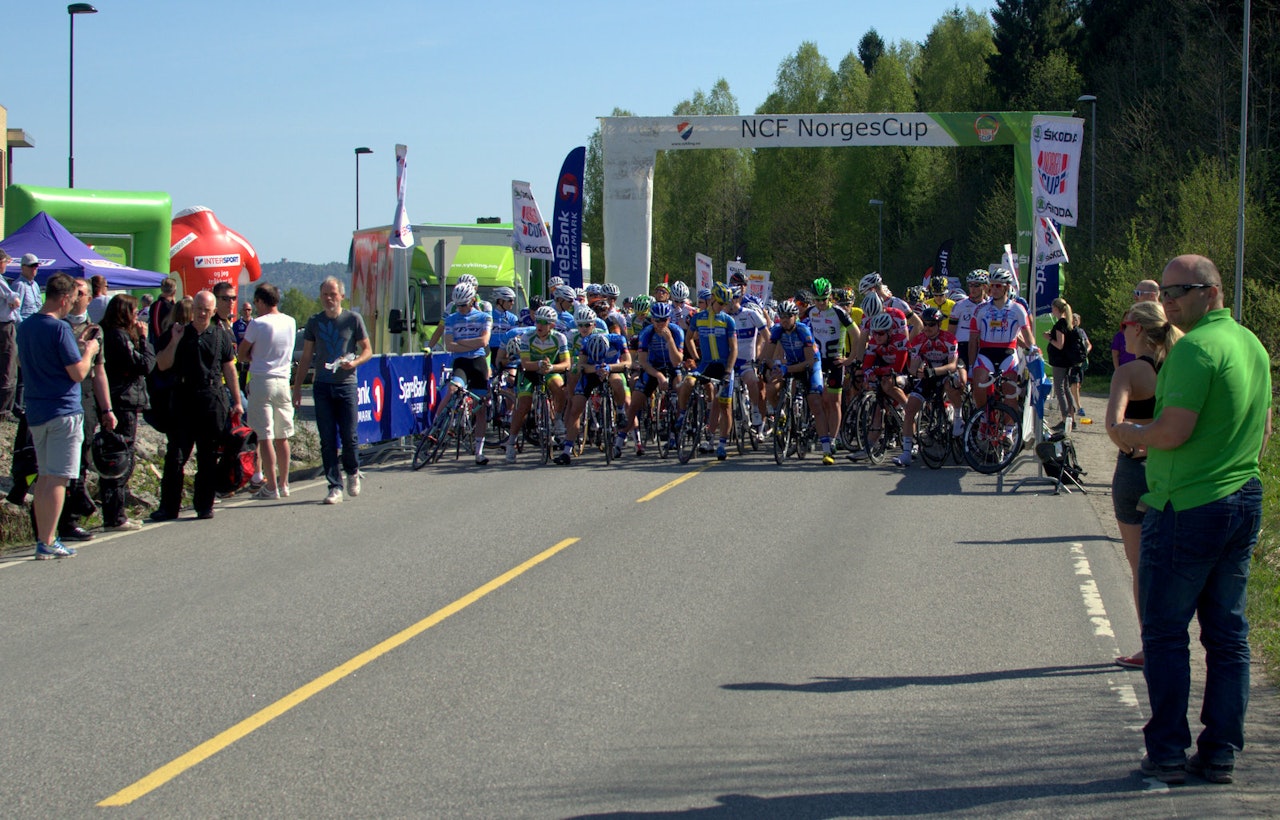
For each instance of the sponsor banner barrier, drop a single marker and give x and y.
(1055, 162)
(528, 230)
(391, 393)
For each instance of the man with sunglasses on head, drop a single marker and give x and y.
(1204, 500)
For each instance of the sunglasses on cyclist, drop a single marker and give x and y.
(932, 324)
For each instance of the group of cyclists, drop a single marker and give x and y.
(833, 343)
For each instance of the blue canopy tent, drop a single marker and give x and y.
(60, 252)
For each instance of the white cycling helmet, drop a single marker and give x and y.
(468, 279)
(882, 321)
(872, 305)
(1000, 276)
(584, 316)
(504, 294)
(870, 281)
(546, 313)
(564, 293)
(680, 291)
(464, 293)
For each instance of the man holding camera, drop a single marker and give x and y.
(53, 365)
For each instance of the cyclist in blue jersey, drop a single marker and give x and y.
(504, 299)
(718, 348)
(659, 351)
(466, 335)
(566, 299)
(604, 356)
(793, 353)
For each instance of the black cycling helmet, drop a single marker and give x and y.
(111, 455)
(931, 316)
(938, 286)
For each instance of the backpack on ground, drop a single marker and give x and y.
(1058, 455)
(238, 460)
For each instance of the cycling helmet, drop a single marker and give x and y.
(554, 282)
(789, 308)
(704, 294)
(939, 285)
(584, 316)
(468, 279)
(564, 293)
(978, 277)
(722, 293)
(661, 286)
(536, 302)
(594, 290)
(546, 313)
(871, 280)
(915, 295)
(642, 303)
(822, 288)
(464, 293)
(660, 310)
(513, 347)
(804, 295)
(1000, 276)
(738, 278)
(882, 321)
(611, 290)
(931, 314)
(504, 294)
(111, 455)
(579, 293)
(751, 299)
(680, 291)
(872, 305)
(595, 346)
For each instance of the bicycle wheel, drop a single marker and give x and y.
(992, 438)
(463, 427)
(966, 412)
(875, 443)
(544, 426)
(608, 423)
(933, 433)
(691, 429)
(801, 424)
(849, 434)
(782, 425)
(740, 419)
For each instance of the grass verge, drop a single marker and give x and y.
(1264, 576)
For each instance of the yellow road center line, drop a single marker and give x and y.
(221, 741)
(675, 483)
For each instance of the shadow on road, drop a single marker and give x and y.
(824, 685)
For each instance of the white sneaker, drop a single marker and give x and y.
(353, 484)
(755, 418)
(334, 496)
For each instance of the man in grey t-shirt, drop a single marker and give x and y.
(337, 339)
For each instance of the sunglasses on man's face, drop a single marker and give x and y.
(931, 324)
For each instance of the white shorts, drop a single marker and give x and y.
(57, 444)
(270, 412)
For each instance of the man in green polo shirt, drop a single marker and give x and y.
(1213, 417)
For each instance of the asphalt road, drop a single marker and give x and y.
(752, 642)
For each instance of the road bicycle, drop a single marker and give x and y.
(793, 431)
(993, 435)
(740, 429)
(454, 423)
(880, 422)
(689, 436)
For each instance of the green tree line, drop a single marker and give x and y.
(1166, 77)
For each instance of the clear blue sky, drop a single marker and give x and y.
(254, 108)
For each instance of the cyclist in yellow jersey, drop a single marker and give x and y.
(544, 356)
(938, 287)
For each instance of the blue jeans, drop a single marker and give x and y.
(336, 419)
(1196, 562)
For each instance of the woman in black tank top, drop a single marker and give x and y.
(1148, 336)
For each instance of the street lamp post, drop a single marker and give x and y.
(1093, 166)
(359, 151)
(72, 11)
(879, 204)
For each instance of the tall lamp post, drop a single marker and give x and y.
(1093, 165)
(879, 204)
(72, 11)
(359, 152)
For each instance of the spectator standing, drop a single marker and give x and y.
(202, 355)
(1062, 356)
(145, 301)
(1075, 373)
(1212, 421)
(238, 328)
(337, 338)
(128, 359)
(98, 307)
(160, 311)
(1148, 290)
(9, 302)
(267, 348)
(30, 300)
(1148, 334)
(54, 365)
(93, 395)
